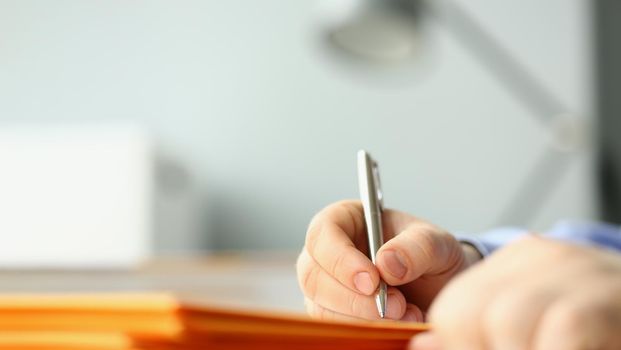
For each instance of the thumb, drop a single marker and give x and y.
(418, 250)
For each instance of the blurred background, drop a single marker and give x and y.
(132, 129)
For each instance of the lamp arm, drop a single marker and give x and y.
(554, 161)
(507, 70)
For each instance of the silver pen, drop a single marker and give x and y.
(373, 204)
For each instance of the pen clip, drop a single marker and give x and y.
(378, 186)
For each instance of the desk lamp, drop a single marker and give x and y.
(389, 33)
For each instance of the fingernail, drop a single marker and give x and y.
(409, 316)
(363, 283)
(425, 341)
(412, 314)
(393, 307)
(394, 263)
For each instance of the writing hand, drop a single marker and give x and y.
(339, 281)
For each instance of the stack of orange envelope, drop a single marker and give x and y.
(161, 321)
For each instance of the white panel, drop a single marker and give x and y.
(74, 196)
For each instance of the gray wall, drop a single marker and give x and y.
(267, 124)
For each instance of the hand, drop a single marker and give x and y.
(339, 281)
(533, 294)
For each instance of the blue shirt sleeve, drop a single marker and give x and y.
(584, 233)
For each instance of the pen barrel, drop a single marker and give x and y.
(372, 202)
(372, 198)
(374, 234)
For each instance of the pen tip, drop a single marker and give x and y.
(380, 300)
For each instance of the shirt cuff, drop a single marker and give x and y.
(474, 243)
(487, 242)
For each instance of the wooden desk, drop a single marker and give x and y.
(255, 280)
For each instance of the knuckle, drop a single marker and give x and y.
(567, 318)
(457, 304)
(308, 306)
(447, 321)
(308, 280)
(301, 262)
(450, 312)
(335, 209)
(539, 249)
(313, 309)
(581, 324)
(337, 263)
(319, 312)
(312, 235)
(497, 317)
(427, 242)
(560, 250)
(348, 203)
(356, 305)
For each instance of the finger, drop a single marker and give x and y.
(456, 324)
(413, 314)
(326, 291)
(321, 313)
(330, 242)
(420, 249)
(456, 312)
(425, 341)
(588, 318)
(510, 318)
